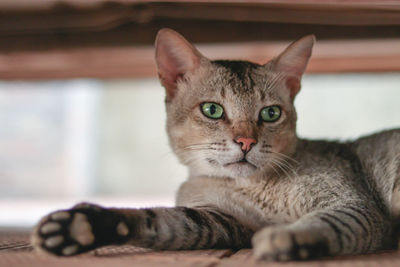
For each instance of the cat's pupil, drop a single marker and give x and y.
(271, 112)
(213, 109)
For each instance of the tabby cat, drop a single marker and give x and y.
(253, 182)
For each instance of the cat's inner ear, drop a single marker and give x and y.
(175, 57)
(292, 62)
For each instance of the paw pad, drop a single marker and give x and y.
(81, 230)
(122, 229)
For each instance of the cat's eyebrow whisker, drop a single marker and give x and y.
(273, 81)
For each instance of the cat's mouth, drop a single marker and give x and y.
(243, 161)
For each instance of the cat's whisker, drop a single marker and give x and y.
(286, 164)
(273, 168)
(278, 164)
(286, 158)
(192, 161)
(283, 155)
(200, 146)
(280, 160)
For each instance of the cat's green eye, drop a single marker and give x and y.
(212, 110)
(270, 114)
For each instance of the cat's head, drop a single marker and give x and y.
(230, 118)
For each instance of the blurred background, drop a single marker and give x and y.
(81, 111)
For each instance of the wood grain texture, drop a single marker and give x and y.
(384, 259)
(101, 15)
(134, 62)
(131, 256)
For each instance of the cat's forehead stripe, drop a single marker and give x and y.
(238, 75)
(244, 78)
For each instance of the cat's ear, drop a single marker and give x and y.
(293, 62)
(175, 56)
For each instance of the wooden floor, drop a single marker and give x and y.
(16, 251)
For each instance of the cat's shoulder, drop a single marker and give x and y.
(388, 135)
(387, 141)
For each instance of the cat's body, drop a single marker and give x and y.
(252, 181)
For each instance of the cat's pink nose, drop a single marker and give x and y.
(246, 142)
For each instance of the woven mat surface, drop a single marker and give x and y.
(15, 250)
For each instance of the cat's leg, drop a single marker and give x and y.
(86, 227)
(341, 230)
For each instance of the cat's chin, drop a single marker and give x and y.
(240, 168)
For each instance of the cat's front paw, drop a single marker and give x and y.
(282, 244)
(77, 230)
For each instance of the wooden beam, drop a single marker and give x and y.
(99, 24)
(48, 4)
(134, 62)
(71, 16)
(198, 31)
(47, 39)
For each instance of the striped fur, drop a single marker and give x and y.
(158, 228)
(290, 198)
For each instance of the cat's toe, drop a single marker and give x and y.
(279, 244)
(50, 227)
